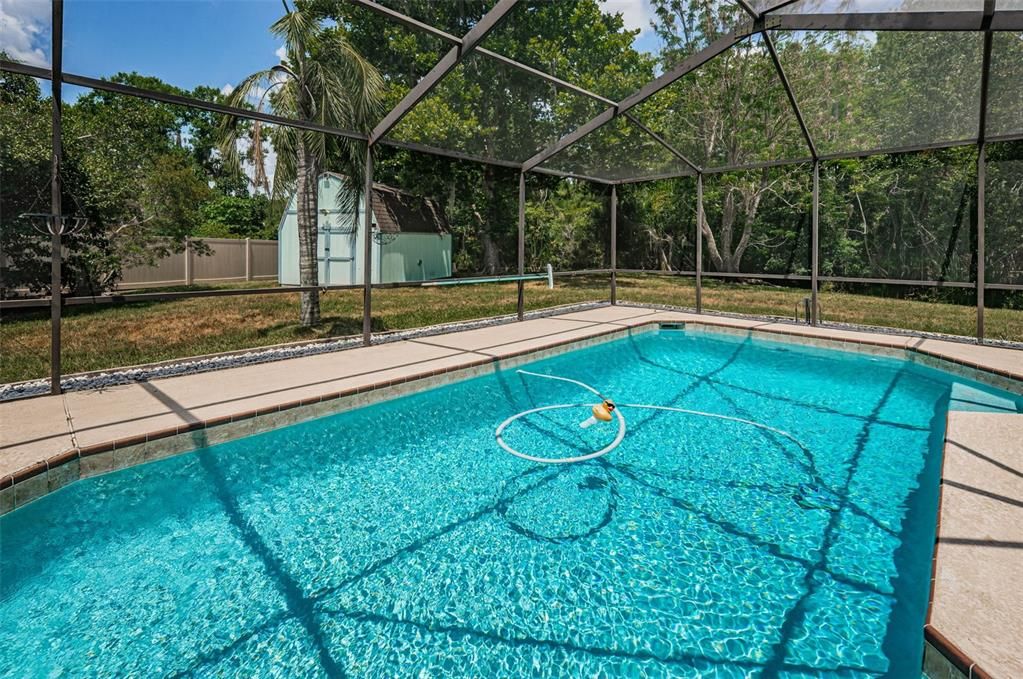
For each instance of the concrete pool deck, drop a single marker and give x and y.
(47, 442)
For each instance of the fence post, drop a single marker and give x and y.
(189, 274)
(248, 259)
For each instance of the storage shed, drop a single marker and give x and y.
(411, 239)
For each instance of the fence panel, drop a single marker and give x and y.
(229, 259)
(264, 259)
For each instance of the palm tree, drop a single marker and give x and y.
(321, 79)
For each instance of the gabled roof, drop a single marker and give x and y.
(398, 211)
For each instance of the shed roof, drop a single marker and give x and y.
(398, 211)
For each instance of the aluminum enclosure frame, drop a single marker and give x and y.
(987, 21)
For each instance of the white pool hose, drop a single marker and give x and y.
(621, 423)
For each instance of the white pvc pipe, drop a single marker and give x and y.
(556, 460)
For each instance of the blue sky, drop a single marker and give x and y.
(183, 42)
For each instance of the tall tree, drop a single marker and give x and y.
(490, 110)
(324, 79)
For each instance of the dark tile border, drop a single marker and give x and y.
(839, 342)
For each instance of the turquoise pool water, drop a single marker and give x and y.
(400, 540)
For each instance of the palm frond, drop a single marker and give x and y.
(240, 97)
(328, 82)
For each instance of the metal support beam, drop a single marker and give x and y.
(573, 175)
(985, 79)
(660, 140)
(981, 253)
(521, 306)
(815, 245)
(367, 251)
(789, 93)
(56, 207)
(928, 21)
(614, 244)
(447, 64)
(687, 65)
(699, 243)
(415, 24)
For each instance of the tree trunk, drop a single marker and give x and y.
(308, 232)
(491, 252)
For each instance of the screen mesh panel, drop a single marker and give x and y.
(558, 38)
(150, 55)
(657, 225)
(731, 111)
(1005, 87)
(1003, 233)
(494, 111)
(617, 150)
(682, 29)
(25, 139)
(27, 32)
(568, 223)
(758, 221)
(456, 17)
(906, 217)
(160, 32)
(863, 91)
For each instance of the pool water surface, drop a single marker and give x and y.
(400, 540)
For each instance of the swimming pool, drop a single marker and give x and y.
(400, 539)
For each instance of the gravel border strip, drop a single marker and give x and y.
(280, 352)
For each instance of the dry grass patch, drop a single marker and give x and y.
(104, 337)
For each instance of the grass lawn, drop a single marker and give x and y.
(110, 336)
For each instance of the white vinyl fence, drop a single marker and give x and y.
(230, 259)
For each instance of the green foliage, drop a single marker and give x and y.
(147, 174)
(566, 225)
(25, 188)
(236, 217)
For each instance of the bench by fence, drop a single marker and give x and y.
(230, 259)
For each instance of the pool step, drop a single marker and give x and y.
(966, 398)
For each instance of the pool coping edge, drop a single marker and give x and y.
(976, 371)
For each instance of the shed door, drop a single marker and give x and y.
(336, 247)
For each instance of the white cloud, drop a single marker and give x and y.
(25, 30)
(635, 13)
(281, 53)
(227, 89)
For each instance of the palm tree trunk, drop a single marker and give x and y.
(308, 267)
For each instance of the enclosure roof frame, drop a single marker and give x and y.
(987, 20)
